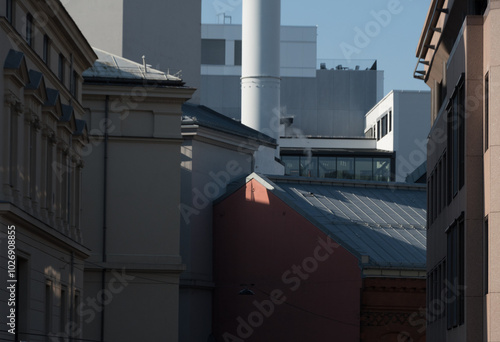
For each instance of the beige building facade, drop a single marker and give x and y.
(458, 59)
(131, 195)
(43, 55)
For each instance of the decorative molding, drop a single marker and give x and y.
(378, 319)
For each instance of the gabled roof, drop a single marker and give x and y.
(115, 69)
(193, 114)
(382, 224)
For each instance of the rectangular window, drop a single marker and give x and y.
(13, 155)
(327, 167)
(364, 169)
(9, 10)
(213, 51)
(48, 308)
(74, 83)
(455, 308)
(63, 308)
(378, 130)
(237, 52)
(384, 126)
(29, 29)
(33, 166)
(309, 166)
(76, 313)
(46, 49)
(461, 135)
(60, 68)
(382, 169)
(292, 165)
(486, 112)
(390, 121)
(345, 168)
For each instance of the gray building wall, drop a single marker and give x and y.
(206, 167)
(133, 29)
(331, 104)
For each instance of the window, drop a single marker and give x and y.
(48, 308)
(292, 165)
(13, 154)
(364, 169)
(237, 52)
(63, 308)
(76, 313)
(327, 167)
(369, 133)
(32, 161)
(46, 49)
(390, 121)
(9, 10)
(74, 84)
(213, 51)
(456, 140)
(455, 274)
(60, 68)
(378, 130)
(345, 168)
(384, 126)
(29, 29)
(486, 112)
(340, 167)
(308, 166)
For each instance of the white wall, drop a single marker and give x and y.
(297, 57)
(410, 127)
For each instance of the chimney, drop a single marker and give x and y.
(260, 77)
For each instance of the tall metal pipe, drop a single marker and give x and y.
(260, 79)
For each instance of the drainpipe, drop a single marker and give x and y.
(72, 293)
(105, 210)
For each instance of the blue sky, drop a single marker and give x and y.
(385, 30)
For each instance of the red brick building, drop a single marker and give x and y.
(325, 261)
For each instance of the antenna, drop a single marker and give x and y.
(144, 64)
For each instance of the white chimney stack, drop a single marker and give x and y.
(260, 77)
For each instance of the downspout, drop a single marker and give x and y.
(105, 210)
(72, 294)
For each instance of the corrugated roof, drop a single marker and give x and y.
(384, 221)
(110, 66)
(193, 114)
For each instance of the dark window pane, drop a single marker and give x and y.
(345, 168)
(292, 165)
(382, 169)
(213, 51)
(327, 167)
(364, 169)
(309, 166)
(237, 52)
(29, 29)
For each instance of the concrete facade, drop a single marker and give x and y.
(43, 55)
(130, 29)
(456, 59)
(131, 189)
(328, 102)
(211, 160)
(397, 124)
